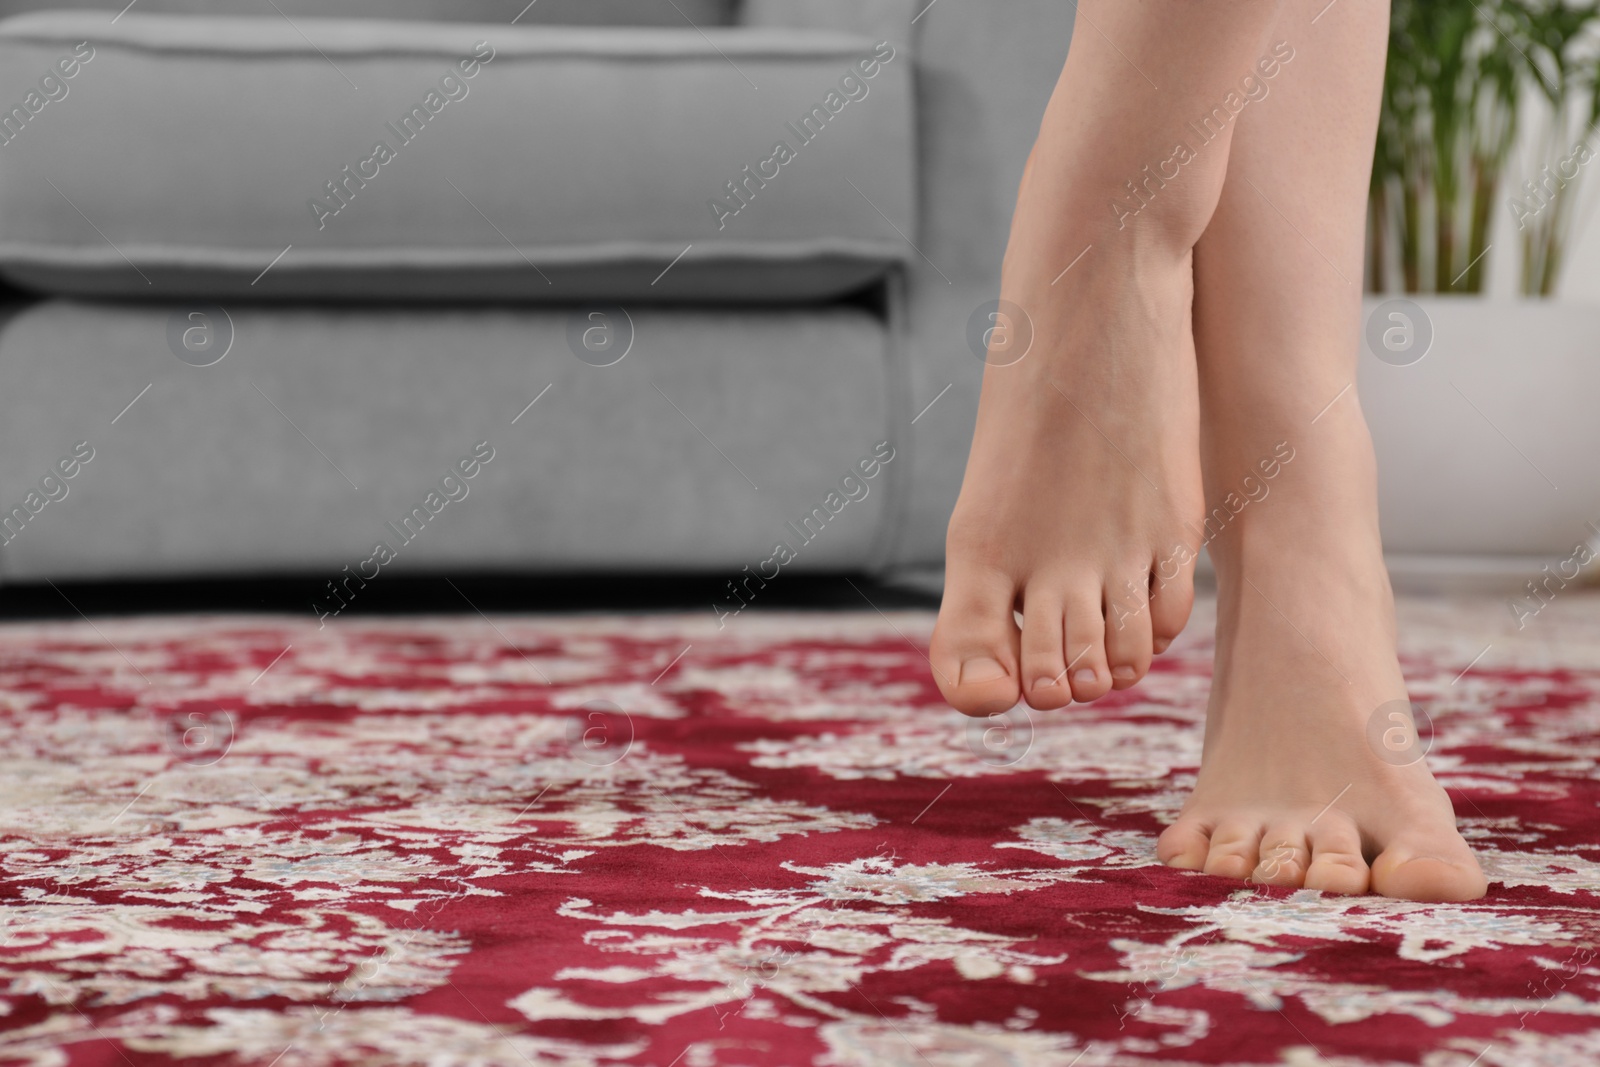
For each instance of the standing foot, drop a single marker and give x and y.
(1298, 785)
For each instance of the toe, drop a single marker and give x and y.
(1235, 849)
(1284, 855)
(1184, 844)
(974, 651)
(1085, 645)
(1337, 863)
(1435, 868)
(1171, 597)
(1044, 666)
(1127, 615)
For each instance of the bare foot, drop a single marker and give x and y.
(1294, 789)
(1083, 471)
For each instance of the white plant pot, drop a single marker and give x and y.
(1489, 444)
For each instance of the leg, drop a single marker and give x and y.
(1291, 791)
(1084, 464)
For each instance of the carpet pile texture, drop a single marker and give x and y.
(590, 841)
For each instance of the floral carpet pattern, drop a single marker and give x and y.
(591, 841)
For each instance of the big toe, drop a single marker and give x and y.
(1438, 869)
(1171, 599)
(1127, 624)
(974, 652)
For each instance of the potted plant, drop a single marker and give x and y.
(1480, 407)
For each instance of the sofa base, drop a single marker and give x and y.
(716, 436)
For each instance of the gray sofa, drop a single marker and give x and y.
(289, 272)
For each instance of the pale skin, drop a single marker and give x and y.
(1197, 343)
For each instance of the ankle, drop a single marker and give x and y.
(1137, 223)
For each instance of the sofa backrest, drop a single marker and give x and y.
(547, 12)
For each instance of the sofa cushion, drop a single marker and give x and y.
(372, 159)
(502, 12)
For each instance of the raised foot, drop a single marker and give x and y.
(1076, 509)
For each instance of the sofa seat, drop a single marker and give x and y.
(328, 159)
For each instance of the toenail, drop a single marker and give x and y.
(1084, 677)
(1124, 674)
(1162, 644)
(981, 669)
(1043, 683)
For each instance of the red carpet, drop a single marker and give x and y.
(422, 842)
